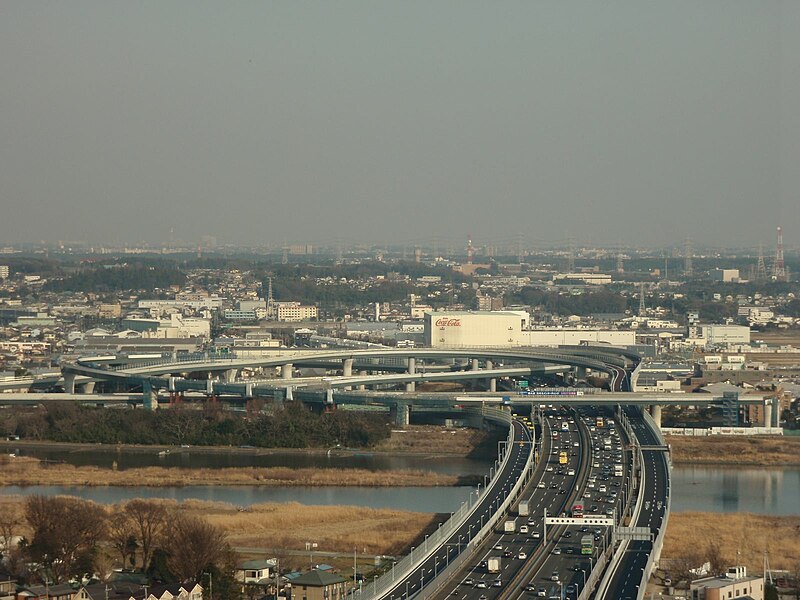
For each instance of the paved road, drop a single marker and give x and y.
(655, 469)
(438, 560)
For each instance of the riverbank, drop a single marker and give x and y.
(693, 538)
(772, 451)
(423, 440)
(22, 471)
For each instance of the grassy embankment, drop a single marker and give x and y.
(30, 471)
(741, 538)
(773, 451)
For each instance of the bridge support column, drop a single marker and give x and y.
(580, 372)
(69, 383)
(362, 386)
(286, 371)
(492, 380)
(87, 388)
(347, 367)
(402, 416)
(655, 412)
(768, 412)
(412, 368)
(150, 396)
(230, 375)
(347, 370)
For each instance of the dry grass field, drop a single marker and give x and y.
(742, 538)
(428, 439)
(30, 471)
(750, 450)
(289, 526)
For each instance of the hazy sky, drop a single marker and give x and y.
(633, 121)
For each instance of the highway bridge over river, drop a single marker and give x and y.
(387, 379)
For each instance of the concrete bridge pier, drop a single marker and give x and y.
(492, 380)
(401, 412)
(655, 412)
(87, 388)
(768, 412)
(412, 369)
(580, 373)
(347, 370)
(149, 396)
(286, 371)
(362, 386)
(69, 383)
(230, 375)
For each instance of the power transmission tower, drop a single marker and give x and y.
(761, 266)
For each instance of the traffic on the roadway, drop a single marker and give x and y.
(581, 472)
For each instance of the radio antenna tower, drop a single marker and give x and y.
(761, 266)
(688, 269)
(571, 257)
(779, 268)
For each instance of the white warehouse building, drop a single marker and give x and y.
(498, 329)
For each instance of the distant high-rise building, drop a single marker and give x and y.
(4, 271)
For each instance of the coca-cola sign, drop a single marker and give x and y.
(446, 322)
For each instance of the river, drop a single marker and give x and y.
(696, 488)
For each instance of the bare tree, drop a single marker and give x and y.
(66, 532)
(193, 545)
(10, 525)
(148, 519)
(122, 536)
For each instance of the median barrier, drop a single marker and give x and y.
(409, 563)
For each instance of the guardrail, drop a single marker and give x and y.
(616, 555)
(658, 543)
(408, 564)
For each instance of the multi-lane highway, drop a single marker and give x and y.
(627, 576)
(528, 566)
(438, 560)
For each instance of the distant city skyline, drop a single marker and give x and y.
(640, 124)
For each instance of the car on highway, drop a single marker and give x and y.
(497, 583)
(556, 550)
(567, 534)
(507, 553)
(541, 484)
(522, 556)
(554, 576)
(542, 593)
(549, 469)
(530, 587)
(481, 584)
(482, 597)
(498, 546)
(469, 581)
(523, 529)
(536, 535)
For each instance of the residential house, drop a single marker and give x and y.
(319, 585)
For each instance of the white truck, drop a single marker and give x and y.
(523, 510)
(494, 564)
(510, 526)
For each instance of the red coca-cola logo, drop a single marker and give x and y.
(445, 322)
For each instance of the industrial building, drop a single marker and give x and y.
(464, 329)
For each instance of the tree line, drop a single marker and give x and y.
(64, 539)
(292, 426)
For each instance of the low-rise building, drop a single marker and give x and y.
(734, 584)
(319, 585)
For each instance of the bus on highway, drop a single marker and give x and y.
(587, 544)
(563, 458)
(577, 510)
